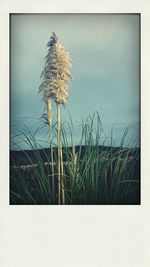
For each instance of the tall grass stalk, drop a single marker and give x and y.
(49, 116)
(60, 185)
(54, 86)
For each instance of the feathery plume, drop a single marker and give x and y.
(56, 73)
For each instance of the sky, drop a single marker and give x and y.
(105, 67)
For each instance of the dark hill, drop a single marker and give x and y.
(21, 157)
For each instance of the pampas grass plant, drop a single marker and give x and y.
(54, 86)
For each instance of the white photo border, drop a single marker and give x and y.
(75, 236)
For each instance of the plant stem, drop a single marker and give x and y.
(61, 192)
(59, 152)
(62, 178)
(49, 115)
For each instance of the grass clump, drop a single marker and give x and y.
(91, 172)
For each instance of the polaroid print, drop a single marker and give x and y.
(74, 109)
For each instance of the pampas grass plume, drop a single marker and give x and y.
(56, 73)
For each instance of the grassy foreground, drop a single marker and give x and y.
(90, 173)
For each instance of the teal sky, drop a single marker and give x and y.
(105, 66)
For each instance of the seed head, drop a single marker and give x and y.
(56, 73)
